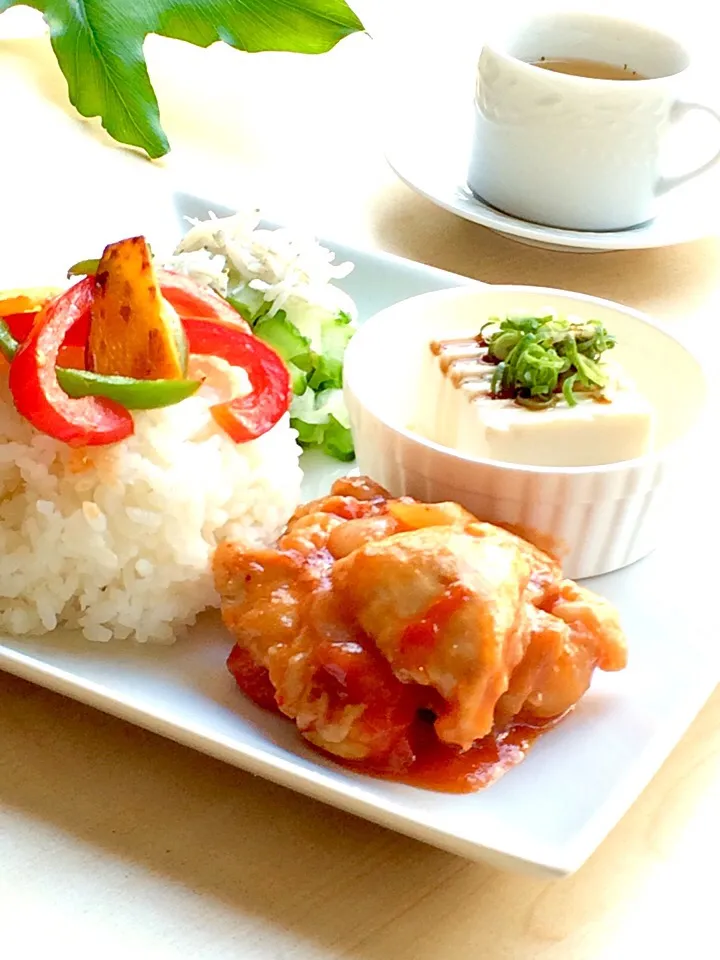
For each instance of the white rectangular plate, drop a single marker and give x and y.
(547, 815)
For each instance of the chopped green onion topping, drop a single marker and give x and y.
(540, 360)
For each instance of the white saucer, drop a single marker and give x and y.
(429, 152)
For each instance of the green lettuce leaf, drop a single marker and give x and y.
(99, 47)
(249, 303)
(313, 350)
(335, 334)
(338, 441)
(321, 421)
(285, 338)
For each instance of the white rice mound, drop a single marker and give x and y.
(117, 541)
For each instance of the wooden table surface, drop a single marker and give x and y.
(118, 843)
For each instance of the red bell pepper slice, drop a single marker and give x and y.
(248, 417)
(89, 421)
(20, 324)
(191, 300)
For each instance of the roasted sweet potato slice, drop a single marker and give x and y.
(134, 332)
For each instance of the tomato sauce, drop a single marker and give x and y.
(418, 757)
(438, 766)
(422, 634)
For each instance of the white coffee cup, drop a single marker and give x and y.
(574, 151)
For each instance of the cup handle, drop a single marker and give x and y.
(681, 108)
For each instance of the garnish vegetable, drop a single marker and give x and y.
(130, 393)
(134, 329)
(252, 415)
(89, 421)
(8, 343)
(27, 301)
(541, 359)
(192, 300)
(315, 362)
(284, 284)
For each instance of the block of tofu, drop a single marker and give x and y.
(457, 410)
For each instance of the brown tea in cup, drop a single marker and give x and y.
(594, 69)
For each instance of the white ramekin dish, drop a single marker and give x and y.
(598, 519)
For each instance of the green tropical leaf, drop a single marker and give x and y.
(99, 46)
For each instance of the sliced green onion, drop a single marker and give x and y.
(567, 389)
(541, 358)
(497, 378)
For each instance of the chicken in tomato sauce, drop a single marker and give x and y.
(411, 640)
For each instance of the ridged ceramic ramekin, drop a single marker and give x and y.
(596, 519)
